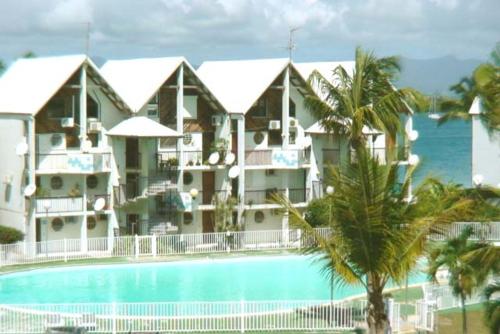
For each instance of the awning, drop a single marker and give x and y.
(143, 127)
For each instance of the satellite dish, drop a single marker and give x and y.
(234, 172)
(478, 179)
(413, 135)
(29, 190)
(413, 159)
(21, 148)
(99, 204)
(214, 158)
(86, 145)
(230, 158)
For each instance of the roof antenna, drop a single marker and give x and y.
(291, 45)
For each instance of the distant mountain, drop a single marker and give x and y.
(434, 75)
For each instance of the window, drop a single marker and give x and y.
(57, 224)
(92, 108)
(291, 107)
(188, 218)
(274, 137)
(91, 223)
(187, 178)
(259, 109)
(92, 181)
(57, 108)
(56, 182)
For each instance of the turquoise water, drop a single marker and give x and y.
(444, 151)
(290, 277)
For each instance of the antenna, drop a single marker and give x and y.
(291, 45)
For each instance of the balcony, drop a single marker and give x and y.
(58, 205)
(142, 187)
(257, 197)
(277, 158)
(68, 162)
(191, 160)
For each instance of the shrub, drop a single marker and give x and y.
(9, 235)
(316, 213)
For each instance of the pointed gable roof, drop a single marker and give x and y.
(238, 84)
(30, 83)
(137, 80)
(325, 68)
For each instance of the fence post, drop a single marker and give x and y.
(153, 244)
(113, 318)
(65, 243)
(299, 236)
(136, 242)
(242, 316)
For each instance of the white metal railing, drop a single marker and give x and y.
(48, 205)
(178, 244)
(74, 161)
(236, 316)
(482, 231)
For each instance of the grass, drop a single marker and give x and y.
(450, 321)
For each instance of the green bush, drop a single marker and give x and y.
(9, 235)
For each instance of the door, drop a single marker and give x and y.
(38, 233)
(208, 186)
(208, 221)
(133, 224)
(132, 153)
(234, 143)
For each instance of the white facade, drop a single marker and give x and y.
(485, 150)
(239, 129)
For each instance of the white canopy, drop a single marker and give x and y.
(143, 127)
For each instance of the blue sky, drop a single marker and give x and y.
(237, 29)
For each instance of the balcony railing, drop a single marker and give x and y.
(144, 186)
(74, 162)
(278, 158)
(50, 205)
(295, 195)
(160, 225)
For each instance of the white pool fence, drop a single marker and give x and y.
(179, 244)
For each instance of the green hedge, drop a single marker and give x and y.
(9, 235)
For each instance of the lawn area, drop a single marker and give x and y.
(450, 321)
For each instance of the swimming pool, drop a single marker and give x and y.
(253, 278)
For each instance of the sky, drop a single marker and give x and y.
(241, 29)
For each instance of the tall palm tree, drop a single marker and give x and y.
(483, 84)
(377, 234)
(362, 98)
(465, 276)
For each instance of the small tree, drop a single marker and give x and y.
(223, 214)
(9, 235)
(492, 307)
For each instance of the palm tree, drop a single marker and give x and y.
(492, 307)
(377, 234)
(363, 98)
(465, 275)
(483, 84)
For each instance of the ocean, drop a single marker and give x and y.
(444, 151)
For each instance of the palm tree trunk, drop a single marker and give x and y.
(377, 317)
(464, 314)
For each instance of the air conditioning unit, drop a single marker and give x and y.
(67, 122)
(94, 126)
(216, 120)
(293, 123)
(274, 125)
(152, 111)
(270, 172)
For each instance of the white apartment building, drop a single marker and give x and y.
(143, 146)
(485, 150)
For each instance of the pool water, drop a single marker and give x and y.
(290, 277)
